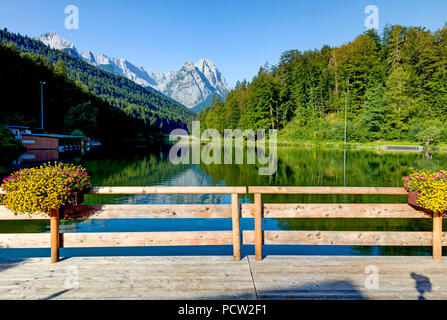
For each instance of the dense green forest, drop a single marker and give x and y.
(147, 109)
(394, 86)
(66, 102)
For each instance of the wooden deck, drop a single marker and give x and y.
(220, 277)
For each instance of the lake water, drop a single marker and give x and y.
(296, 167)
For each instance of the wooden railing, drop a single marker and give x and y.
(361, 238)
(131, 239)
(258, 210)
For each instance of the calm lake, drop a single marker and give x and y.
(296, 167)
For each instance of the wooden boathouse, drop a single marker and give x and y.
(61, 143)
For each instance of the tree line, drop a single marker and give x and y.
(391, 86)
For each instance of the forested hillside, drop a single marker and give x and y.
(147, 106)
(68, 106)
(396, 85)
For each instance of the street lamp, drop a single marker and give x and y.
(41, 102)
(346, 109)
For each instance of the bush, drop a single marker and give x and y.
(10, 147)
(78, 133)
(428, 131)
(42, 189)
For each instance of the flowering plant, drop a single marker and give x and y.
(41, 189)
(415, 180)
(431, 188)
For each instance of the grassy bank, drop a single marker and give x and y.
(372, 145)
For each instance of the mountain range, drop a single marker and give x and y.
(194, 85)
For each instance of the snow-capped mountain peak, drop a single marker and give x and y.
(55, 41)
(193, 85)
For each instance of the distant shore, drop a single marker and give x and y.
(366, 145)
(382, 145)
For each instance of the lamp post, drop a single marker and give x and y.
(346, 109)
(42, 83)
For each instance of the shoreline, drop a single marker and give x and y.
(380, 145)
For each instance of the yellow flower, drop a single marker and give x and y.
(38, 190)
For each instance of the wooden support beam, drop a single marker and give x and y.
(55, 237)
(258, 226)
(437, 237)
(236, 226)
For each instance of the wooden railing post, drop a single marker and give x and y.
(54, 227)
(258, 225)
(236, 226)
(437, 237)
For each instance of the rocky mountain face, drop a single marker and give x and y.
(193, 85)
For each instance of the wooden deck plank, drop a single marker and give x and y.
(219, 277)
(399, 278)
(117, 278)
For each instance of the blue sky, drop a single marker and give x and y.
(238, 35)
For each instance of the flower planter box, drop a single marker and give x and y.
(412, 198)
(76, 198)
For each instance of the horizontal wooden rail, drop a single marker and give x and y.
(145, 211)
(270, 210)
(136, 239)
(334, 210)
(118, 239)
(192, 238)
(138, 211)
(352, 238)
(162, 190)
(167, 190)
(328, 190)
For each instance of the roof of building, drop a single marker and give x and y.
(55, 136)
(14, 127)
